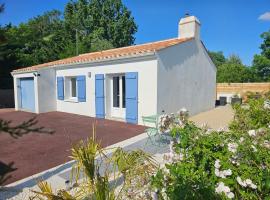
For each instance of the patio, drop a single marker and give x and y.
(34, 152)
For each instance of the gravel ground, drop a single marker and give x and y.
(217, 118)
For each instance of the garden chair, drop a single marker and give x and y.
(152, 128)
(152, 131)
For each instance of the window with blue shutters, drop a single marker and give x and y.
(81, 88)
(60, 88)
(131, 86)
(99, 95)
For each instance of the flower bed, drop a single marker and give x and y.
(225, 164)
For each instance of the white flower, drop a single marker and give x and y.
(266, 104)
(254, 148)
(217, 164)
(217, 173)
(232, 147)
(253, 186)
(230, 195)
(240, 182)
(227, 172)
(241, 139)
(246, 183)
(226, 189)
(221, 174)
(252, 133)
(221, 188)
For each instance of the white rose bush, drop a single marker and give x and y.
(231, 163)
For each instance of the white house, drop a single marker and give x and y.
(124, 83)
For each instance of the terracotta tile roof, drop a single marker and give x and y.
(135, 50)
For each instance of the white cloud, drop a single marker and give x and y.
(265, 16)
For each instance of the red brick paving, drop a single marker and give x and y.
(34, 152)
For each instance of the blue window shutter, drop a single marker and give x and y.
(81, 88)
(99, 92)
(60, 88)
(132, 97)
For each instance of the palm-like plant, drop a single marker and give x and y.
(85, 153)
(134, 166)
(130, 162)
(46, 193)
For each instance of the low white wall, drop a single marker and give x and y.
(147, 85)
(186, 78)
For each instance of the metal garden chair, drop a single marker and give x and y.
(152, 131)
(152, 128)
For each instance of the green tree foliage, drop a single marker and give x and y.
(90, 25)
(217, 57)
(233, 71)
(101, 24)
(261, 63)
(37, 41)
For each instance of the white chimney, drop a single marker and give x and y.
(189, 26)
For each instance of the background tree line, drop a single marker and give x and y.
(93, 25)
(84, 26)
(232, 70)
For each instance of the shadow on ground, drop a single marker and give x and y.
(5, 170)
(157, 147)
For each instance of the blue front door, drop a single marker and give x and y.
(27, 94)
(132, 97)
(99, 92)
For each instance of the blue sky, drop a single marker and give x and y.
(231, 26)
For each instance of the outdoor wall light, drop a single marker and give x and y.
(89, 74)
(36, 74)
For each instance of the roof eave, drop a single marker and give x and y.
(152, 53)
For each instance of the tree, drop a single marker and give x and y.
(265, 46)
(233, 71)
(217, 57)
(37, 41)
(261, 63)
(86, 25)
(105, 21)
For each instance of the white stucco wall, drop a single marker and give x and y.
(186, 78)
(147, 85)
(46, 90)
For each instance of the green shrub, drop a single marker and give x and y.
(225, 164)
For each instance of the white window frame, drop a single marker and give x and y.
(68, 89)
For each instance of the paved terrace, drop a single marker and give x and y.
(34, 152)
